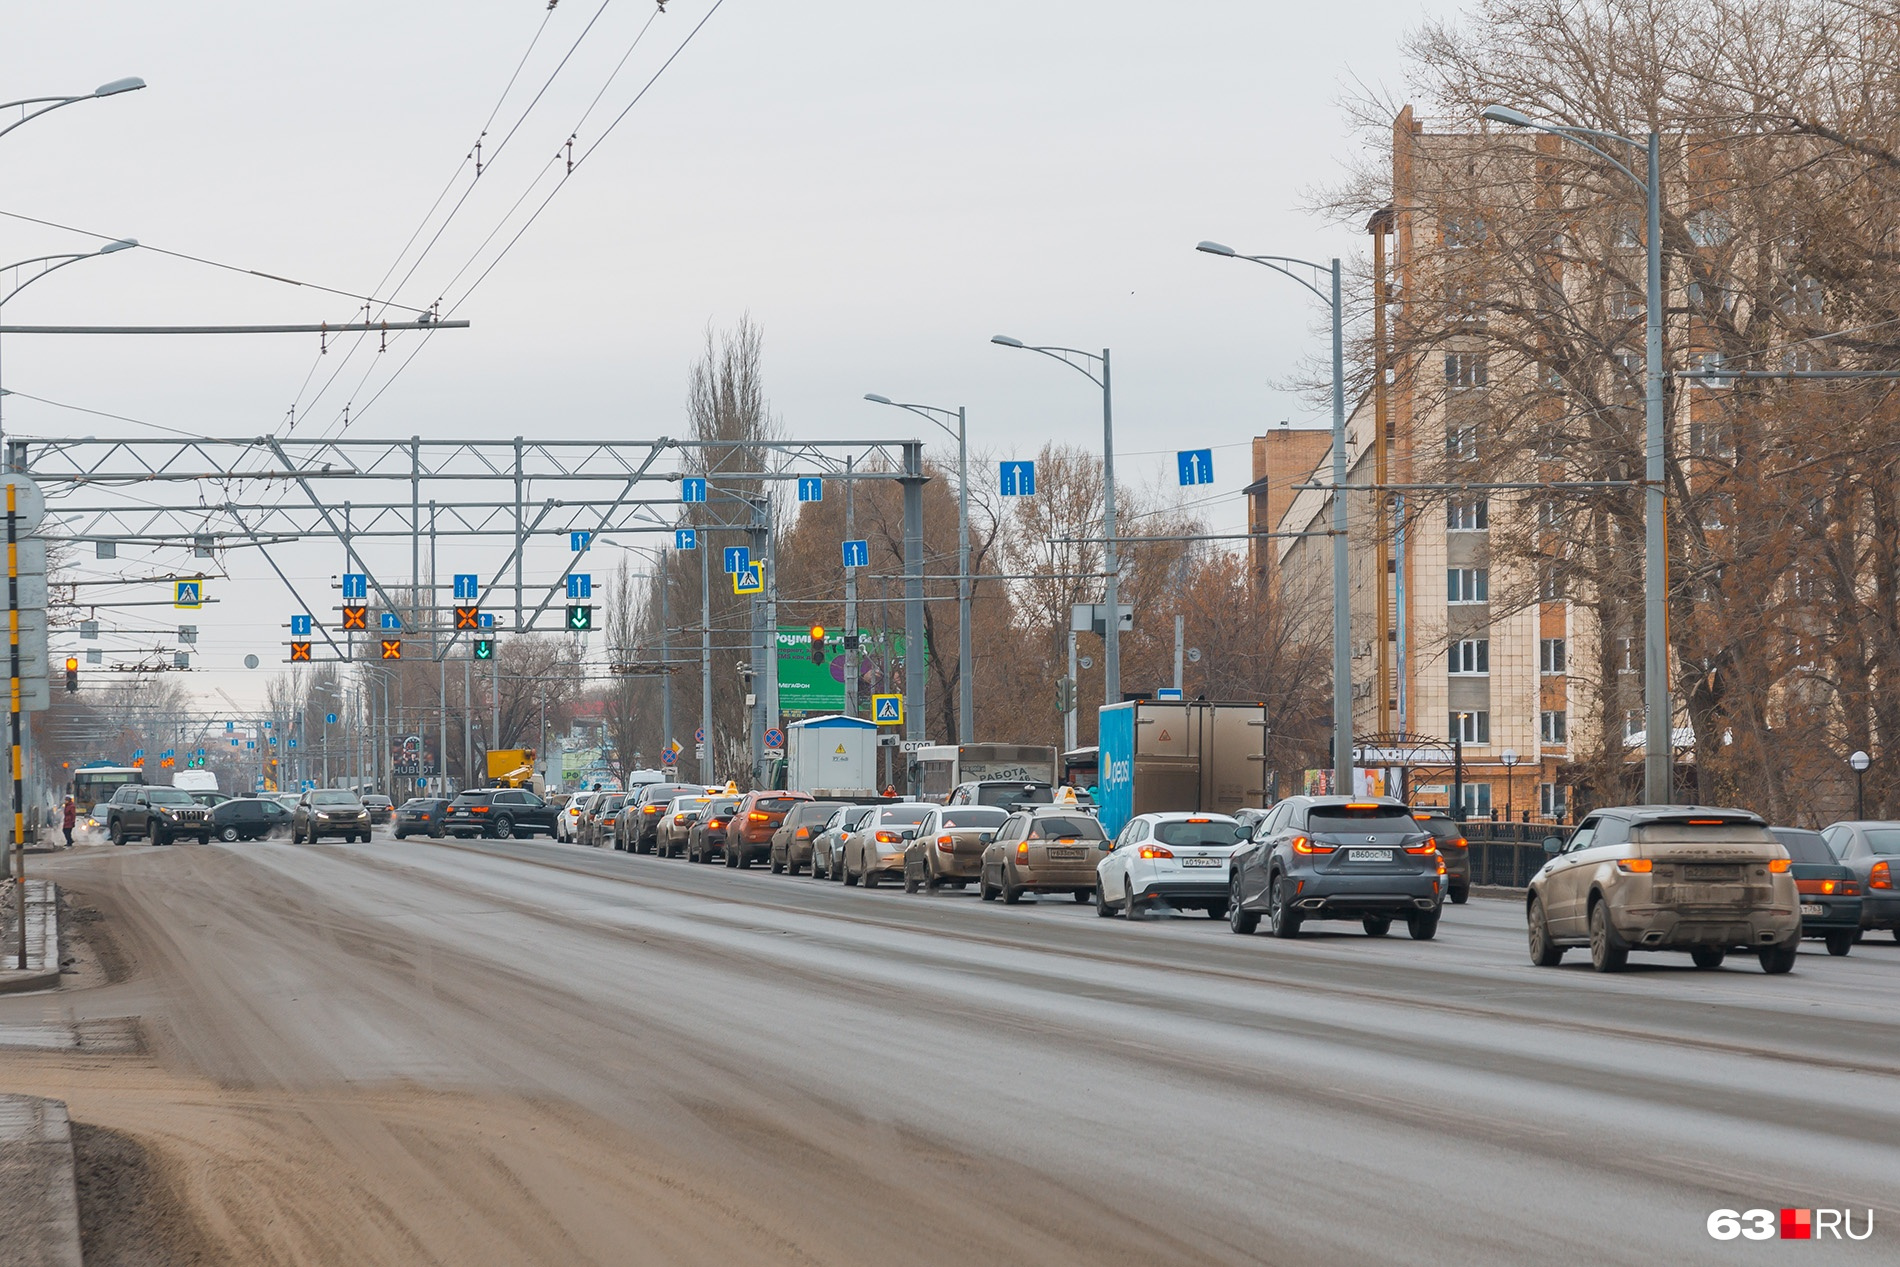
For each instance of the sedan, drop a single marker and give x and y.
(878, 846)
(597, 824)
(791, 843)
(708, 833)
(1829, 891)
(755, 822)
(1049, 849)
(380, 808)
(1453, 848)
(676, 824)
(567, 823)
(827, 848)
(1168, 860)
(421, 816)
(1872, 851)
(248, 818)
(949, 847)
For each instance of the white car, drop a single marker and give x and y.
(569, 818)
(1178, 860)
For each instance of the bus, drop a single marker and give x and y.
(937, 770)
(94, 784)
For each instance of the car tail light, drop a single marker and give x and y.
(1430, 846)
(1780, 865)
(757, 817)
(1635, 866)
(889, 838)
(478, 809)
(679, 819)
(1303, 844)
(1462, 843)
(716, 822)
(1361, 805)
(948, 844)
(1157, 851)
(1827, 888)
(1022, 849)
(1200, 820)
(1880, 877)
(651, 809)
(1441, 866)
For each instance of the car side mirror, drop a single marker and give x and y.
(1242, 832)
(1107, 846)
(1553, 844)
(909, 833)
(985, 838)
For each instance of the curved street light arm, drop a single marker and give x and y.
(1063, 355)
(930, 412)
(1575, 137)
(64, 260)
(1280, 263)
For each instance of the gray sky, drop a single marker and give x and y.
(881, 185)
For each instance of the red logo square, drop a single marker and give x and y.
(1797, 1225)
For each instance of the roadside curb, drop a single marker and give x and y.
(42, 942)
(39, 1198)
(1498, 890)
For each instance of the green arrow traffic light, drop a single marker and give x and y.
(484, 648)
(580, 618)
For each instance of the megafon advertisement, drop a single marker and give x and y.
(813, 687)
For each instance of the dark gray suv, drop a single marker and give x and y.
(1327, 857)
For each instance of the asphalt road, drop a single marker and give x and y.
(529, 1052)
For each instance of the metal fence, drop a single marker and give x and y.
(1509, 854)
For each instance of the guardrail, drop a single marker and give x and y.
(1509, 857)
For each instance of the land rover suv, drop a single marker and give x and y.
(158, 814)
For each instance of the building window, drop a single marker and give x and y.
(1802, 585)
(1712, 364)
(1467, 514)
(1461, 444)
(1471, 727)
(1467, 585)
(1471, 657)
(1553, 726)
(1633, 364)
(1551, 802)
(1626, 305)
(1550, 583)
(1711, 439)
(1708, 228)
(1632, 723)
(1551, 655)
(1477, 800)
(1629, 655)
(1466, 370)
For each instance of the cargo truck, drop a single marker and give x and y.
(1171, 755)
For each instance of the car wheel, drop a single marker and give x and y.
(1840, 943)
(228, 835)
(1285, 922)
(1102, 908)
(1779, 959)
(931, 883)
(1130, 907)
(983, 888)
(778, 865)
(117, 833)
(1217, 910)
(850, 881)
(1422, 927)
(1707, 957)
(1376, 925)
(1011, 894)
(1545, 953)
(731, 859)
(204, 840)
(911, 883)
(1239, 918)
(1605, 954)
(159, 838)
(872, 879)
(1460, 895)
(504, 828)
(402, 835)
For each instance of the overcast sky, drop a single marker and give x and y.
(881, 185)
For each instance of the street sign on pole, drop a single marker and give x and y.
(775, 738)
(188, 594)
(887, 710)
(857, 554)
(1196, 466)
(580, 542)
(685, 539)
(355, 585)
(811, 488)
(693, 489)
(467, 585)
(580, 585)
(1018, 479)
(392, 621)
(300, 626)
(750, 581)
(738, 559)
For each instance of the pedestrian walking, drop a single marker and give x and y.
(67, 817)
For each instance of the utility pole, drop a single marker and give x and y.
(705, 662)
(666, 656)
(852, 640)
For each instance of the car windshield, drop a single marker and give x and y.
(973, 817)
(332, 798)
(1804, 846)
(807, 812)
(775, 804)
(908, 816)
(171, 796)
(1207, 831)
(613, 803)
(725, 806)
(1062, 827)
(1725, 833)
(1014, 794)
(1362, 818)
(1883, 840)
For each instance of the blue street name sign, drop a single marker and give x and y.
(685, 539)
(857, 554)
(738, 559)
(355, 585)
(810, 489)
(693, 489)
(1018, 479)
(468, 585)
(1197, 466)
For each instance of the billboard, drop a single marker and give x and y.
(810, 689)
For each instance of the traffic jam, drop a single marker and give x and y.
(1167, 829)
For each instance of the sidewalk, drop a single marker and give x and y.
(39, 1203)
(42, 939)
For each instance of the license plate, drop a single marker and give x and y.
(1202, 862)
(1372, 855)
(1713, 873)
(1813, 908)
(1067, 855)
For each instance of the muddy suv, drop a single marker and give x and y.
(158, 814)
(1666, 877)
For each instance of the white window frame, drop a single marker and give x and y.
(1630, 655)
(1467, 514)
(1467, 586)
(1471, 725)
(1553, 727)
(1467, 371)
(1552, 803)
(1471, 657)
(1477, 800)
(1632, 723)
(1461, 444)
(1553, 656)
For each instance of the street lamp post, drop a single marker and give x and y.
(1860, 761)
(1658, 713)
(48, 104)
(1509, 757)
(1111, 596)
(1458, 768)
(966, 657)
(53, 263)
(1342, 607)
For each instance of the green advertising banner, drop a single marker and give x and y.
(814, 689)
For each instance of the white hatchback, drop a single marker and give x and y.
(567, 822)
(1177, 860)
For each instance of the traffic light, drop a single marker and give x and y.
(392, 648)
(484, 648)
(580, 618)
(1065, 695)
(468, 618)
(817, 644)
(72, 673)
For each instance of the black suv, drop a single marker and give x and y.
(160, 814)
(1453, 848)
(499, 814)
(248, 818)
(650, 803)
(1327, 857)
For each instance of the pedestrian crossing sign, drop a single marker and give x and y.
(887, 710)
(188, 594)
(750, 581)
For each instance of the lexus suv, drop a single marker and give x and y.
(1666, 877)
(1327, 857)
(160, 814)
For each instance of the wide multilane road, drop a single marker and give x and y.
(498, 1052)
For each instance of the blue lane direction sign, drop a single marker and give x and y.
(487, 620)
(810, 489)
(293, 743)
(1197, 466)
(1018, 479)
(391, 620)
(300, 626)
(685, 539)
(580, 585)
(355, 585)
(738, 559)
(329, 719)
(857, 554)
(468, 585)
(230, 725)
(579, 542)
(693, 489)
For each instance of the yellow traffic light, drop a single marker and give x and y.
(817, 644)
